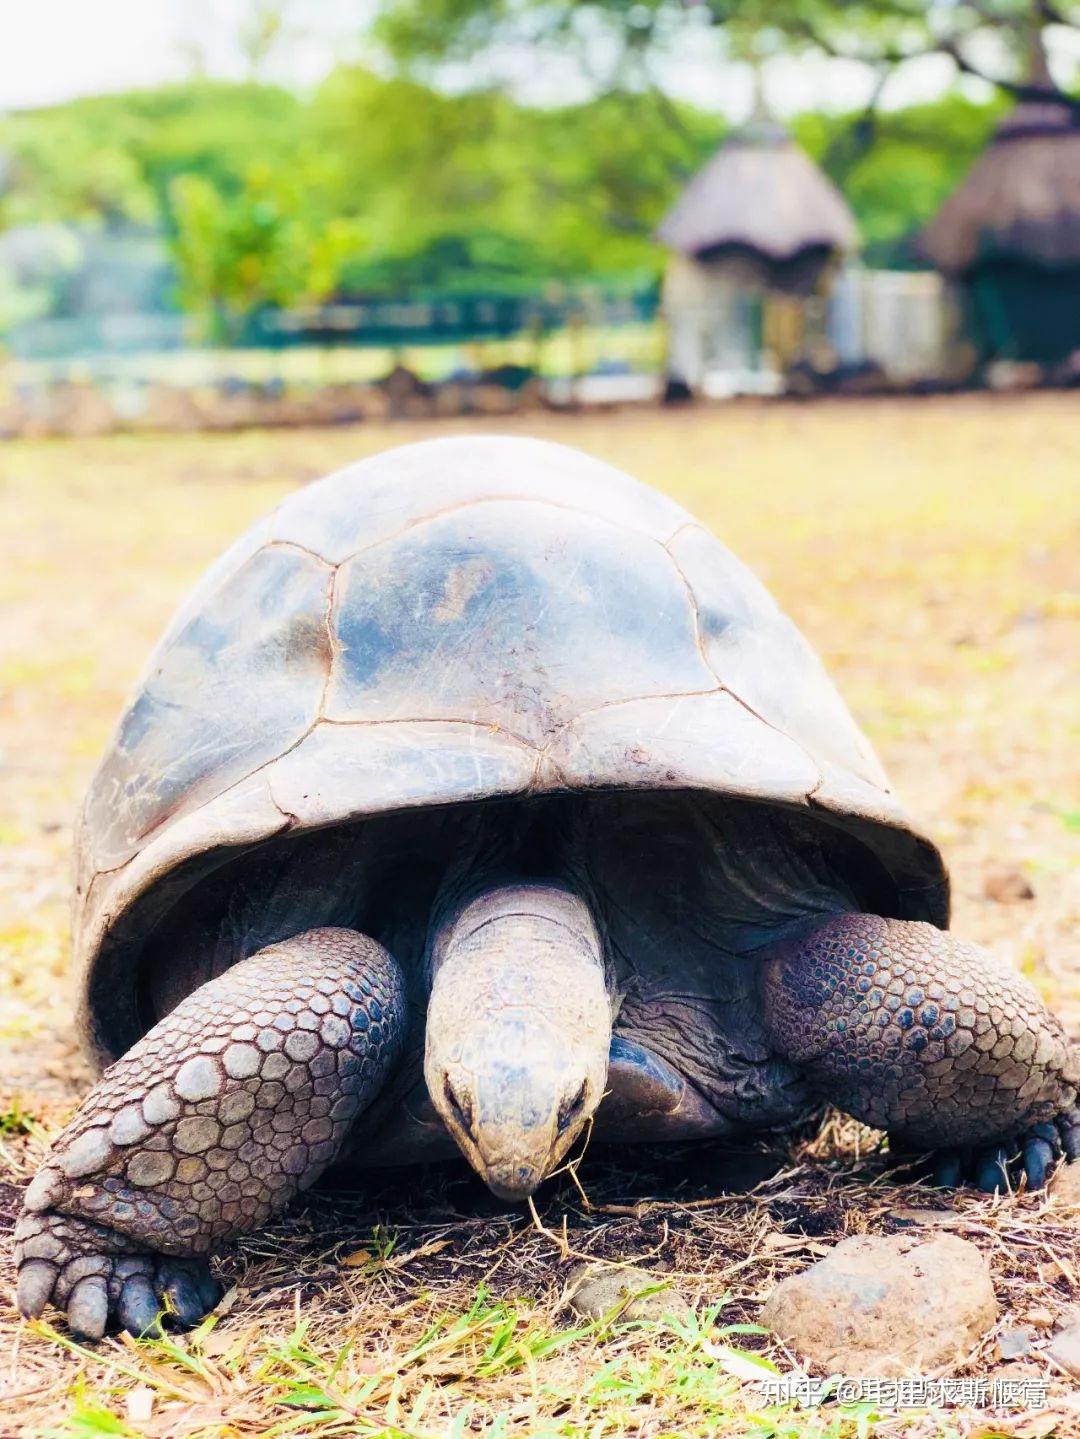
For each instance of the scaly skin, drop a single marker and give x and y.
(235, 1101)
(932, 1039)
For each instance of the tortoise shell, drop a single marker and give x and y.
(458, 620)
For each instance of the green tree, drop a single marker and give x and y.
(475, 191)
(621, 38)
(237, 254)
(917, 157)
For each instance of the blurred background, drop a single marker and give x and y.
(222, 212)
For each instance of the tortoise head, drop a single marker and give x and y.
(518, 1032)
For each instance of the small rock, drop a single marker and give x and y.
(886, 1306)
(1041, 1317)
(595, 1290)
(1015, 1369)
(1014, 1343)
(1064, 1350)
(1064, 1188)
(1007, 886)
(140, 1404)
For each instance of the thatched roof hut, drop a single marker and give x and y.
(763, 199)
(1010, 235)
(1020, 201)
(753, 234)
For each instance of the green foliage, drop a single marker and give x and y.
(914, 159)
(110, 159)
(424, 32)
(236, 254)
(381, 185)
(492, 1368)
(476, 190)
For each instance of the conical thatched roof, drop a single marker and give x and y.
(1021, 199)
(759, 192)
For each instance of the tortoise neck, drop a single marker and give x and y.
(518, 1029)
(511, 911)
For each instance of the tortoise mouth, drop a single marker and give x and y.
(382, 874)
(513, 1183)
(512, 1155)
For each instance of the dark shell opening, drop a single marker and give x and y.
(678, 879)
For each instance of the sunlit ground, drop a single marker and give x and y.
(928, 549)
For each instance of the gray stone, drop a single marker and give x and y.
(597, 1290)
(1064, 1188)
(1064, 1350)
(1014, 1343)
(886, 1306)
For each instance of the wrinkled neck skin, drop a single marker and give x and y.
(518, 1030)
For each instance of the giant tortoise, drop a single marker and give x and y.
(477, 796)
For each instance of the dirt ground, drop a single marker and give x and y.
(929, 549)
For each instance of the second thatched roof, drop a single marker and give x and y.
(1021, 199)
(759, 192)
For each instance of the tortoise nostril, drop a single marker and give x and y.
(461, 1109)
(568, 1112)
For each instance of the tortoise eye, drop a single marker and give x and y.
(461, 1110)
(569, 1112)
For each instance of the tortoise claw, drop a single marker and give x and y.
(36, 1280)
(1068, 1128)
(189, 1292)
(104, 1281)
(88, 1307)
(997, 1168)
(990, 1169)
(137, 1308)
(1038, 1160)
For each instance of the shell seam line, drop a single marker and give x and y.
(295, 545)
(553, 738)
(719, 678)
(333, 645)
(474, 503)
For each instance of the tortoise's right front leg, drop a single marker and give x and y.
(237, 1099)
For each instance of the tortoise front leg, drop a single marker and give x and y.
(932, 1039)
(237, 1099)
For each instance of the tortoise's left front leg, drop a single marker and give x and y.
(235, 1101)
(932, 1039)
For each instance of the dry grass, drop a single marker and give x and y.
(927, 548)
